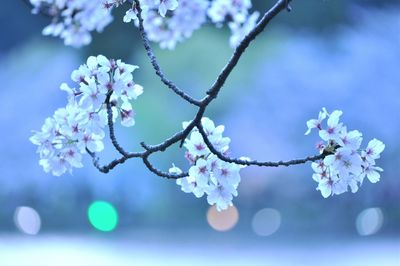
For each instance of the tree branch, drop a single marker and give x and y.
(161, 173)
(153, 60)
(241, 48)
(254, 162)
(203, 104)
(111, 125)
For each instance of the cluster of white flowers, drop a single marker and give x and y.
(188, 15)
(208, 174)
(240, 30)
(346, 165)
(179, 24)
(241, 22)
(166, 22)
(74, 20)
(80, 125)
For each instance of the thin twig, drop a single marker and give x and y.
(254, 162)
(153, 60)
(111, 125)
(161, 173)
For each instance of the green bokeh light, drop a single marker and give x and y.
(102, 216)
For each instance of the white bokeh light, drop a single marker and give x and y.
(27, 220)
(266, 221)
(369, 221)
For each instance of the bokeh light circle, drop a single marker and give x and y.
(27, 220)
(266, 222)
(369, 221)
(103, 216)
(224, 220)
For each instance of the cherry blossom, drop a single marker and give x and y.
(165, 5)
(316, 123)
(334, 127)
(373, 150)
(129, 16)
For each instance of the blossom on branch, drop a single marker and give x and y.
(74, 21)
(241, 29)
(208, 174)
(167, 30)
(235, 10)
(165, 5)
(105, 90)
(346, 164)
(166, 22)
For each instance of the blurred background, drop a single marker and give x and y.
(335, 54)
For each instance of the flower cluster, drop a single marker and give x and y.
(240, 30)
(188, 15)
(208, 174)
(237, 13)
(346, 164)
(179, 24)
(74, 20)
(79, 127)
(166, 22)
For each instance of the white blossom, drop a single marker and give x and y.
(221, 196)
(316, 123)
(372, 173)
(351, 140)
(93, 95)
(127, 115)
(196, 145)
(373, 150)
(334, 127)
(331, 186)
(165, 5)
(129, 16)
(345, 162)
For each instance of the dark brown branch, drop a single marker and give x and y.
(153, 60)
(203, 104)
(108, 167)
(161, 173)
(254, 162)
(111, 125)
(270, 14)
